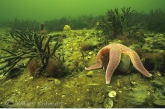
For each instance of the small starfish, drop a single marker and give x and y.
(115, 50)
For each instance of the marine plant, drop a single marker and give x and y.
(58, 24)
(31, 46)
(87, 21)
(156, 20)
(116, 23)
(80, 22)
(23, 24)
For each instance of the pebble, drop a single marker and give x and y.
(89, 57)
(133, 83)
(112, 94)
(90, 74)
(63, 96)
(57, 82)
(90, 53)
(118, 84)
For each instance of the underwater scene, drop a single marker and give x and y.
(82, 54)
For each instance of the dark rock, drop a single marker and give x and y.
(14, 73)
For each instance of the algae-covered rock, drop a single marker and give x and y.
(124, 63)
(108, 103)
(157, 83)
(67, 28)
(159, 103)
(138, 96)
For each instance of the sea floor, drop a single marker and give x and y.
(86, 89)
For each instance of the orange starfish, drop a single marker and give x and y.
(115, 50)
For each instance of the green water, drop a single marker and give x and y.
(41, 10)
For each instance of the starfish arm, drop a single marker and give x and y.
(138, 64)
(98, 62)
(95, 66)
(115, 56)
(100, 54)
